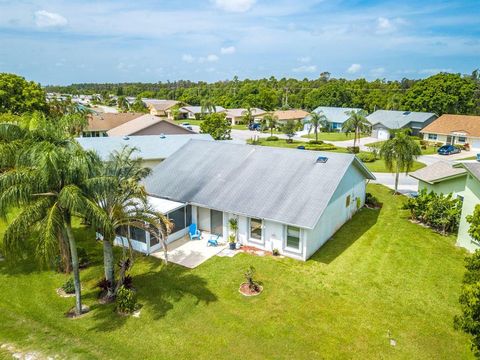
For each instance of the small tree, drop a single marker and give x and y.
(469, 320)
(399, 154)
(139, 105)
(317, 120)
(356, 123)
(270, 122)
(289, 130)
(252, 284)
(216, 125)
(474, 221)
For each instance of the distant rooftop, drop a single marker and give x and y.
(335, 114)
(394, 119)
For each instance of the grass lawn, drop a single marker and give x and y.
(333, 136)
(379, 273)
(376, 166)
(191, 122)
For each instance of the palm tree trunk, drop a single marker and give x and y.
(354, 139)
(397, 174)
(75, 267)
(316, 134)
(108, 264)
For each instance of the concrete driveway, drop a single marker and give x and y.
(406, 184)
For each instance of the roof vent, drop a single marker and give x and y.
(406, 113)
(125, 137)
(321, 160)
(162, 136)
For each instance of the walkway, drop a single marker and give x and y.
(189, 253)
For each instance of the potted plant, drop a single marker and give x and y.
(232, 238)
(232, 241)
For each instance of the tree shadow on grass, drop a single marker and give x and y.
(350, 232)
(158, 289)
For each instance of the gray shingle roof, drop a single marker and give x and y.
(473, 168)
(335, 114)
(393, 119)
(283, 185)
(437, 171)
(149, 146)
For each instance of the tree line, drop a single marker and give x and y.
(440, 93)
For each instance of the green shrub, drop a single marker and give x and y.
(441, 212)
(423, 147)
(126, 300)
(423, 142)
(69, 286)
(83, 259)
(353, 149)
(272, 138)
(322, 147)
(367, 157)
(315, 142)
(371, 200)
(276, 252)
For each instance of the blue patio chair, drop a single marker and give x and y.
(193, 232)
(478, 157)
(213, 241)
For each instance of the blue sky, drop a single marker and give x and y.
(60, 42)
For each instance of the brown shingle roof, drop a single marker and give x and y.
(448, 124)
(290, 114)
(107, 121)
(161, 105)
(140, 123)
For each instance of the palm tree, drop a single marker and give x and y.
(356, 123)
(400, 153)
(316, 121)
(44, 178)
(207, 107)
(270, 122)
(124, 202)
(122, 103)
(247, 115)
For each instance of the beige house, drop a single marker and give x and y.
(454, 129)
(195, 112)
(148, 124)
(162, 108)
(99, 124)
(236, 116)
(284, 116)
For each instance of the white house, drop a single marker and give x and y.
(383, 121)
(236, 116)
(286, 199)
(336, 116)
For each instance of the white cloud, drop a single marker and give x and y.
(377, 72)
(45, 19)
(227, 50)
(354, 68)
(434, 71)
(188, 58)
(384, 24)
(305, 69)
(208, 58)
(234, 5)
(304, 59)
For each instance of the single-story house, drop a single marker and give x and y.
(194, 112)
(100, 123)
(471, 198)
(148, 124)
(284, 116)
(336, 116)
(442, 178)
(152, 149)
(383, 121)
(454, 129)
(236, 116)
(161, 108)
(285, 199)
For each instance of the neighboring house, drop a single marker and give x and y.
(237, 116)
(162, 108)
(194, 112)
(148, 124)
(100, 123)
(336, 116)
(441, 178)
(454, 129)
(471, 198)
(284, 116)
(152, 149)
(285, 199)
(383, 121)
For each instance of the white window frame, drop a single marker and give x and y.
(464, 139)
(432, 136)
(300, 240)
(249, 228)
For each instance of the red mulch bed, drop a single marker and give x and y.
(245, 290)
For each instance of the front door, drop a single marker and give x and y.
(216, 222)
